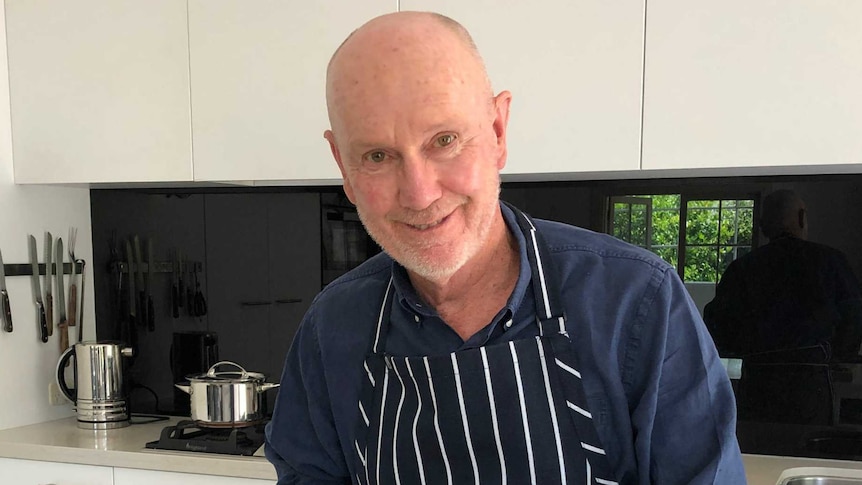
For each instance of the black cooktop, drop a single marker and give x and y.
(189, 436)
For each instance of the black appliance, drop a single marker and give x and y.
(191, 353)
(188, 436)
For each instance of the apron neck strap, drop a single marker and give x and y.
(546, 286)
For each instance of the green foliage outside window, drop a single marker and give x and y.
(716, 232)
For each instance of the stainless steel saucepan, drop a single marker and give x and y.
(226, 399)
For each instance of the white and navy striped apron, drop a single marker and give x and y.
(511, 413)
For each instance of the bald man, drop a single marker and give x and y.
(788, 295)
(483, 346)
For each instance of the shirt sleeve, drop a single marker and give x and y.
(301, 440)
(683, 407)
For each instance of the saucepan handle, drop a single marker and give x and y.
(267, 386)
(212, 371)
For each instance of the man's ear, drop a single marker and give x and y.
(336, 154)
(501, 125)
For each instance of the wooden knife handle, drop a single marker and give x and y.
(49, 313)
(64, 336)
(73, 305)
(7, 311)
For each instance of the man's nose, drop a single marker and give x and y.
(418, 182)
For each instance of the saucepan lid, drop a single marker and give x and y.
(236, 376)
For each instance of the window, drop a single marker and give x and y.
(699, 236)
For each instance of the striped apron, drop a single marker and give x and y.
(510, 413)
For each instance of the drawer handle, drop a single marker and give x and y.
(255, 303)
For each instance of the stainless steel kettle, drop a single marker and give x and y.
(99, 395)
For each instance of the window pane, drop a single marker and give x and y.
(701, 225)
(727, 231)
(701, 264)
(638, 234)
(745, 225)
(621, 221)
(668, 254)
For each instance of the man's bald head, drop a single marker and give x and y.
(783, 212)
(401, 48)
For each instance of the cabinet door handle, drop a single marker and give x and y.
(255, 303)
(289, 300)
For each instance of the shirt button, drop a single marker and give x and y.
(508, 324)
(416, 317)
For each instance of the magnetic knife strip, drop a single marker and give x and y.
(25, 269)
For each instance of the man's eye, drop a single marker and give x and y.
(445, 140)
(376, 157)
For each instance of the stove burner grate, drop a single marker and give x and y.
(190, 436)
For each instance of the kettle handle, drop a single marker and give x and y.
(71, 394)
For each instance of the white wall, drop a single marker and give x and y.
(26, 364)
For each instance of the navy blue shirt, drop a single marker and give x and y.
(661, 400)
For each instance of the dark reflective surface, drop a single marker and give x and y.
(811, 406)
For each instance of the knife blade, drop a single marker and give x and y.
(151, 313)
(62, 325)
(132, 294)
(81, 306)
(175, 292)
(139, 281)
(49, 270)
(37, 291)
(4, 298)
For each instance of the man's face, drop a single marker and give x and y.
(420, 148)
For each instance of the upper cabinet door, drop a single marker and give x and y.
(99, 90)
(258, 96)
(752, 83)
(574, 70)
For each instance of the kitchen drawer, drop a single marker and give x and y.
(128, 476)
(32, 472)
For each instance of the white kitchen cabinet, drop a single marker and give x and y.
(129, 476)
(258, 85)
(30, 472)
(99, 90)
(742, 83)
(574, 70)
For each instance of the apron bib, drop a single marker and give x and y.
(509, 413)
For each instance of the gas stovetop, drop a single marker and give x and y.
(189, 436)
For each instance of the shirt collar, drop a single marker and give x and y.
(411, 301)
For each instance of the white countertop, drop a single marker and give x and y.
(62, 441)
(766, 470)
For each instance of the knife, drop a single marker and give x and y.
(4, 299)
(132, 294)
(175, 292)
(151, 313)
(62, 325)
(49, 270)
(37, 291)
(81, 306)
(139, 280)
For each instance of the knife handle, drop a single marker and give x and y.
(64, 335)
(49, 313)
(142, 308)
(175, 301)
(151, 315)
(43, 322)
(72, 314)
(7, 311)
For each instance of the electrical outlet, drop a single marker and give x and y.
(55, 395)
